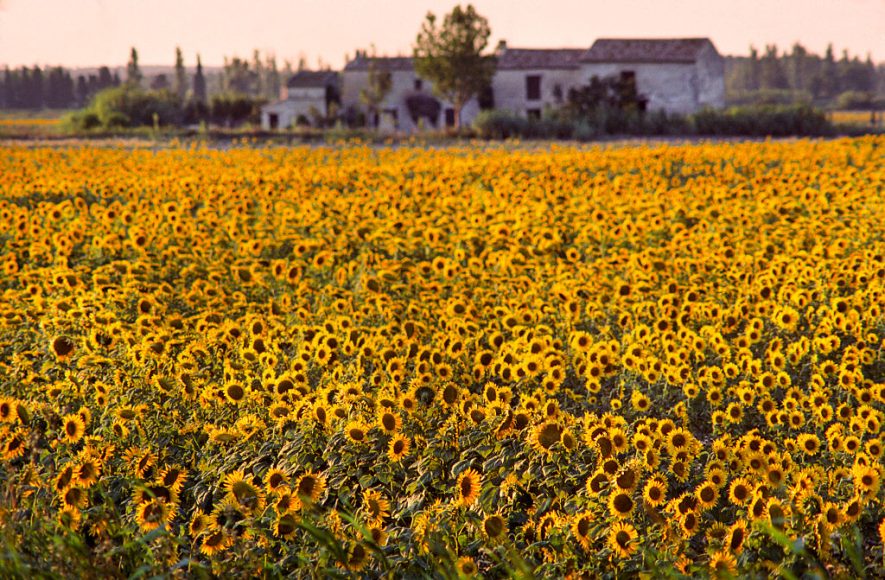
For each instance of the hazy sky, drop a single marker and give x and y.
(94, 32)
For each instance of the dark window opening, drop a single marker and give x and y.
(486, 98)
(450, 117)
(273, 120)
(533, 114)
(419, 84)
(533, 87)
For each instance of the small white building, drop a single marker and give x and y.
(676, 75)
(309, 98)
(404, 108)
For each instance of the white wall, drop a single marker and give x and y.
(402, 84)
(672, 87)
(509, 87)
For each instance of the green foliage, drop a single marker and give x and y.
(231, 109)
(451, 56)
(860, 101)
(761, 121)
(127, 106)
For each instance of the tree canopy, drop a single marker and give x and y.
(451, 56)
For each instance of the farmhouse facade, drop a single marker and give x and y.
(680, 75)
(676, 75)
(307, 97)
(394, 112)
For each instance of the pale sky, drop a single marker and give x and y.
(95, 32)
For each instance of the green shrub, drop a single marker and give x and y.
(762, 121)
(499, 124)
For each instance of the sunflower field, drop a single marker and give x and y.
(490, 361)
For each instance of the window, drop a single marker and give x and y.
(533, 114)
(419, 84)
(533, 87)
(450, 117)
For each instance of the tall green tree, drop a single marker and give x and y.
(180, 75)
(451, 56)
(199, 83)
(133, 72)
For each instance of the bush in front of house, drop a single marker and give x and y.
(763, 121)
(500, 124)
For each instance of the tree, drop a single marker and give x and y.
(180, 75)
(379, 84)
(199, 83)
(771, 71)
(133, 73)
(451, 56)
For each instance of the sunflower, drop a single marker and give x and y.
(285, 526)
(276, 478)
(357, 557)
(243, 493)
(389, 421)
(866, 479)
(655, 491)
(234, 392)
(88, 472)
(13, 446)
(75, 497)
(622, 540)
(466, 567)
(398, 447)
(581, 529)
(62, 347)
(357, 432)
(494, 528)
(376, 507)
(469, 484)
(736, 536)
(688, 524)
(723, 565)
(707, 494)
(199, 523)
(628, 477)
(153, 514)
(64, 478)
(172, 477)
(7, 409)
(310, 486)
(215, 541)
(545, 435)
(740, 491)
(620, 504)
(70, 517)
(73, 428)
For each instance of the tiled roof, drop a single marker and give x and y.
(645, 50)
(388, 63)
(305, 79)
(529, 58)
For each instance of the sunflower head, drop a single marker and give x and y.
(468, 487)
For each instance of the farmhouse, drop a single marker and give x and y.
(528, 80)
(676, 75)
(680, 75)
(309, 96)
(401, 108)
